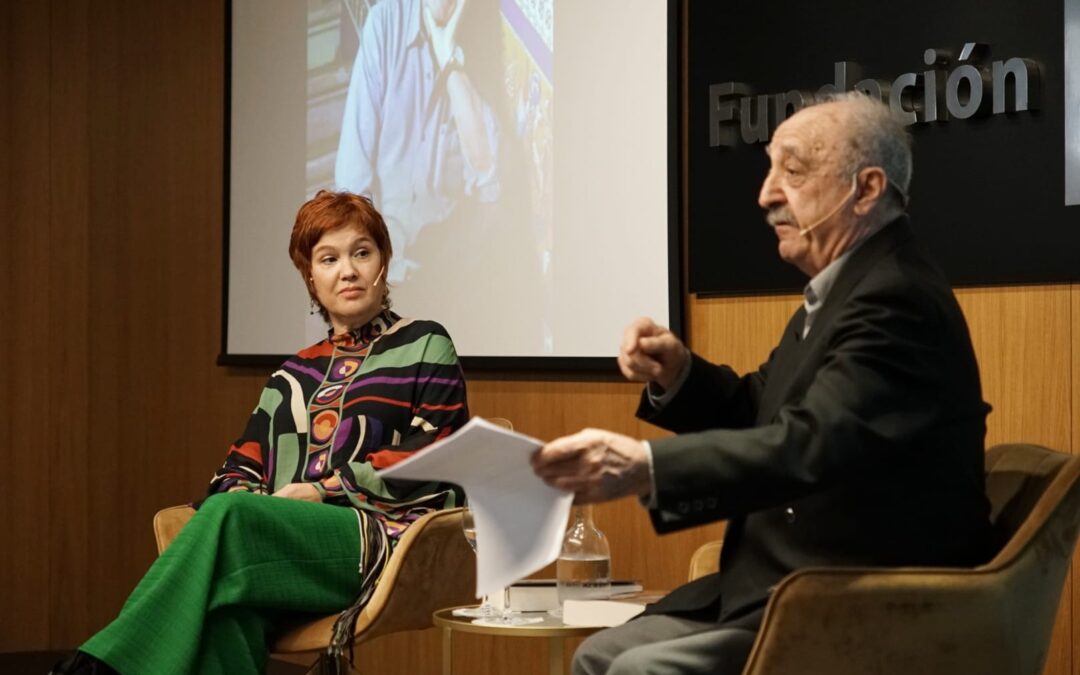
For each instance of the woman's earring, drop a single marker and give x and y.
(315, 306)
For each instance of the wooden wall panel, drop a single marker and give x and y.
(7, 243)
(67, 353)
(739, 331)
(142, 265)
(159, 407)
(1021, 338)
(24, 497)
(1074, 595)
(110, 392)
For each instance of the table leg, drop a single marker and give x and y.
(555, 656)
(447, 652)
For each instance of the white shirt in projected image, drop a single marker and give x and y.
(399, 140)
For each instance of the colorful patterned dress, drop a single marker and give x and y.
(331, 416)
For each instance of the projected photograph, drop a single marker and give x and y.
(533, 232)
(441, 111)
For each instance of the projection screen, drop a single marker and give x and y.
(535, 250)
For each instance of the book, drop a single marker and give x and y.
(541, 595)
(606, 613)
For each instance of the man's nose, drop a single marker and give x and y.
(770, 195)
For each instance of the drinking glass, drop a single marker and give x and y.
(488, 613)
(506, 617)
(486, 609)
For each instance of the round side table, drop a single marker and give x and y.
(551, 628)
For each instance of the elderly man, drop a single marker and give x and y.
(859, 441)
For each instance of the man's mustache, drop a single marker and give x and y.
(781, 215)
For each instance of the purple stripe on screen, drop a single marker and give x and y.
(534, 44)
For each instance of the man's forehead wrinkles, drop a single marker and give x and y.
(785, 146)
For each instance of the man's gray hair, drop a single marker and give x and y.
(877, 137)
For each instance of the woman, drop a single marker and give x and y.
(378, 388)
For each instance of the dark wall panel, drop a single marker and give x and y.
(987, 195)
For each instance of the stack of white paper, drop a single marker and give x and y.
(520, 521)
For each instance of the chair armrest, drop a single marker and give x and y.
(431, 568)
(706, 560)
(899, 621)
(168, 522)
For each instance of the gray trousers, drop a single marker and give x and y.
(665, 645)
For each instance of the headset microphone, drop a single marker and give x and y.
(803, 231)
(378, 278)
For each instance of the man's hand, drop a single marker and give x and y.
(305, 492)
(651, 353)
(442, 29)
(595, 465)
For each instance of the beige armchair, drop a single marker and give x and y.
(432, 567)
(993, 619)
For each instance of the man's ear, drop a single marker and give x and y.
(873, 184)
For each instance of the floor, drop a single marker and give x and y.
(39, 663)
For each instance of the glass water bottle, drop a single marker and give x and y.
(583, 570)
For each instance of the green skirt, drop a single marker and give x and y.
(239, 566)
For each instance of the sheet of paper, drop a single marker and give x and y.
(520, 521)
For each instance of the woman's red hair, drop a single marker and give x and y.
(328, 211)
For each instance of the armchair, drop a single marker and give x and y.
(993, 619)
(432, 567)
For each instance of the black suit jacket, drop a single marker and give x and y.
(861, 444)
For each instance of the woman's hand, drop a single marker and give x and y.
(305, 492)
